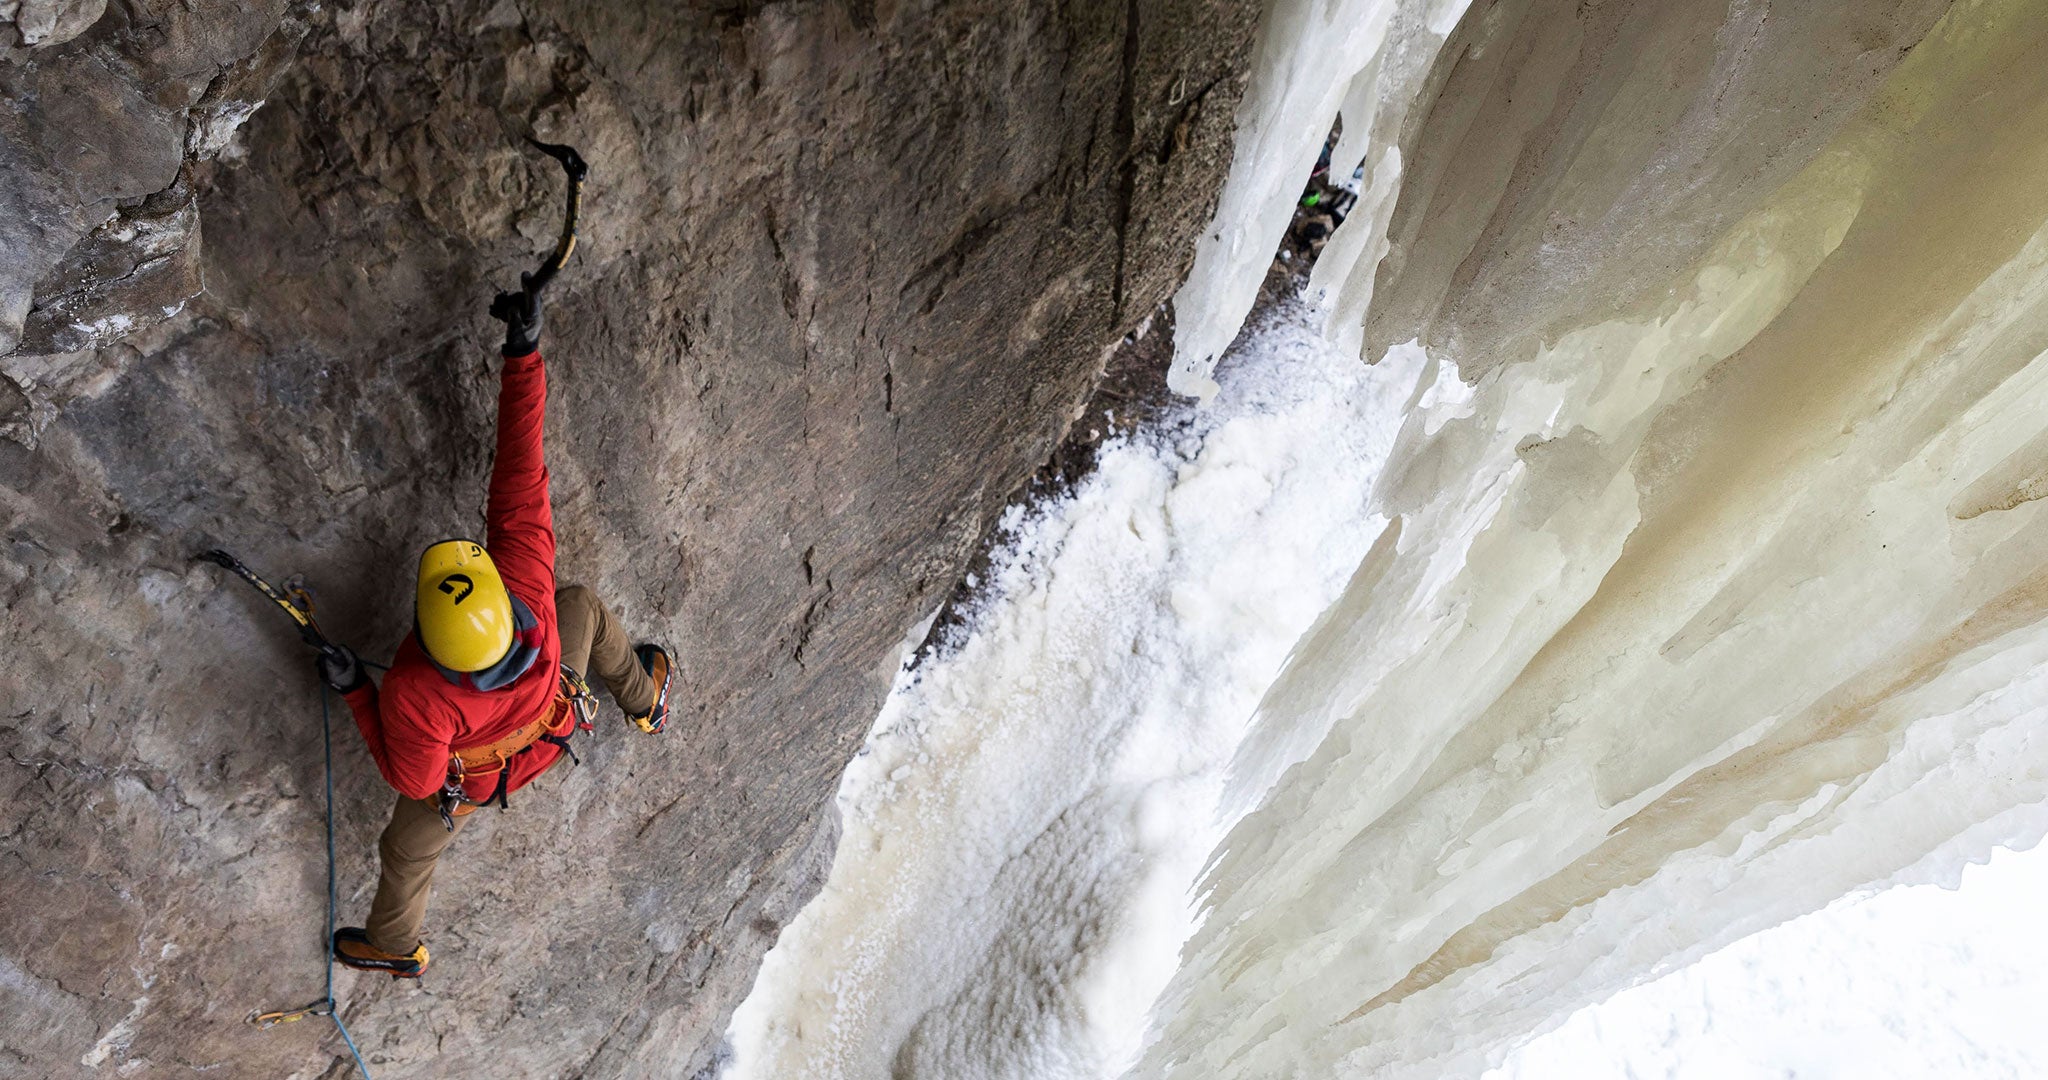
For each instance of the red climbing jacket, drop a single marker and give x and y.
(419, 717)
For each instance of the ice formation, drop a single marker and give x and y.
(1724, 595)
(1010, 891)
(1317, 61)
(1916, 981)
(1690, 622)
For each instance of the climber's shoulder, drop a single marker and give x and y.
(415, 691)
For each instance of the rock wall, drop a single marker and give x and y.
(847, 270)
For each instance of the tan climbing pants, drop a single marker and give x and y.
(594, 645)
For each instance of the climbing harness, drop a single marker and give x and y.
(573, 166)
(571, 710)
(297, 602)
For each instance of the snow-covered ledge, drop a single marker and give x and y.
(1716, 580)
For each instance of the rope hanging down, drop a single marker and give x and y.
(298, 603)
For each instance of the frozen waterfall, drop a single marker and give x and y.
(1696, 616)
(1683, 577)
(1010, 891)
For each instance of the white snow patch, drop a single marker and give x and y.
(106, 326)
(215, 126)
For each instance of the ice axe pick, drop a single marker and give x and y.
(577, 171)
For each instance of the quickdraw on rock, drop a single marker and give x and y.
(293, 599)
(322, 1007)
(297, 603)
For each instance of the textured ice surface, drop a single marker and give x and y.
(1917, 981)
(1696, 619)
(1684, 624)
(1316, 59)
(1025, 820)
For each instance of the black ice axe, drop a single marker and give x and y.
(576, 171)
(293, 599)
(574, 168)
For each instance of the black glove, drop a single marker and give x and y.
(340, 669)
(520, 312)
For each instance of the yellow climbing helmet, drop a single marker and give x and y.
(465, 614)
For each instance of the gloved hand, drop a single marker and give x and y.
(341, 670)
(520, 312)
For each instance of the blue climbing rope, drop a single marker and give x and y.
(326, 1006)
(327, 940)
(294, 600)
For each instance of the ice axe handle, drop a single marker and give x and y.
(574, 167)
(301, 615)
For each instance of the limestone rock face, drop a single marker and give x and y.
(847, 269)
(104, 104)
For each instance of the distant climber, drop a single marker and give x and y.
(484, 694)
(1323, 206)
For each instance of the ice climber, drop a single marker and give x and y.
(485, 692)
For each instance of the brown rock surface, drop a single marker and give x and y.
(847, 271)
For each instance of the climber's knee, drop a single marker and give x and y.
(413, 837)
(577, 598)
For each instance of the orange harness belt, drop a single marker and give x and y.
(572, 707)
(467, 761)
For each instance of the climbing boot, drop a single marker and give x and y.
(654, 661)
(352, 947)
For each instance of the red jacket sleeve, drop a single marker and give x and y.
(520, 523)
(410, 750)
